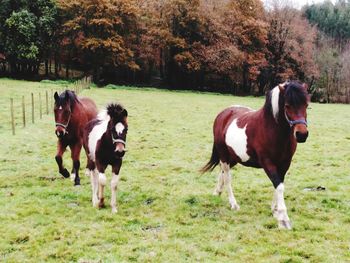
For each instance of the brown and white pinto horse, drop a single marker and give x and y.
(71, 116)
(104, 141)
(266, 139)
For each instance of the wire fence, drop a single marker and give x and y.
(41, 102)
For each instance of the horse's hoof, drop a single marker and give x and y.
(95, 203)
(114, 210)
(72, 177)
(284, 224)
(101, 204)
(65, 173)
(216, 193)
(77, 185)
(235, 207)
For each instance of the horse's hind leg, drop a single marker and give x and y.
(60, 150)
(227, 180)
(220, 185)
(75, 149)
(94, 186)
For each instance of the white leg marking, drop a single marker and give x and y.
(72, 177)
(102, 180)
(236, 138)
(275, 102)
(94, 186)
(220, 186)
(280, 212)
(114, 184)
(227, 180)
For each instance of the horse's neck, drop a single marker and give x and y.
(280, 126)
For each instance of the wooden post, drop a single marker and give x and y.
(24, 112)
(40, 108)
(51, 100)
(12, 118)
(47, 102)
(32, 108)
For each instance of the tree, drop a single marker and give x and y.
(27, 28)
(290, 48)
(101, 32)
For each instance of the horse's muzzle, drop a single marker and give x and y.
(60, 132)
(301, 136)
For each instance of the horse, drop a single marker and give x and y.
(266, 138)
(104, 142)
(71, 115)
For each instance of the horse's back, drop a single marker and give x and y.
(225, 117)
(90, 108)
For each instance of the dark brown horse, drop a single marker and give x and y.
(104, 141)
(266, 139)
(71, 116)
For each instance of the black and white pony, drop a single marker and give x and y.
(104, 142)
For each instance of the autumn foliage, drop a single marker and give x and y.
(235, 46)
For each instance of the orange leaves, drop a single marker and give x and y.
(102, 30)
(187, 62)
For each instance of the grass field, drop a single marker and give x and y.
(166, 209)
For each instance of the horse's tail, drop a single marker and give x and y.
(213, 162)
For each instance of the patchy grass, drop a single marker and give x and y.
(166, 210)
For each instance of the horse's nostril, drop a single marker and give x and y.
(301, 136)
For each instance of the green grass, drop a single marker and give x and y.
(166, 210)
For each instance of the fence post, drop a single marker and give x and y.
(47, 102)
(24, 112)
(40, 108)
(32, 108)
(12, 118)
(51, 100)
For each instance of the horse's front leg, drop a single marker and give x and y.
(278, 206)
(61, 147)
(114, 184)
(102, 180)
(75, 153)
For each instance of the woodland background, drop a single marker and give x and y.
(229, 46)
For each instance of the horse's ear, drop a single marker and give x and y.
(125, 112)
(56, 96)
(66, 97)
(305, 86)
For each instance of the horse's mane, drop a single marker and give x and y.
(116, 111)
(72, 97)
(294, 94)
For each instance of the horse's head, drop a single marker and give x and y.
(63, 112)
(118, 127)
(296, 101)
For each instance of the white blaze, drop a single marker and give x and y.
(119, 128)
(236, 138)
(275, 101)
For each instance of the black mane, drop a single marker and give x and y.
(67, 95)
(116, 111)
(268, 105)
(295, 94)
